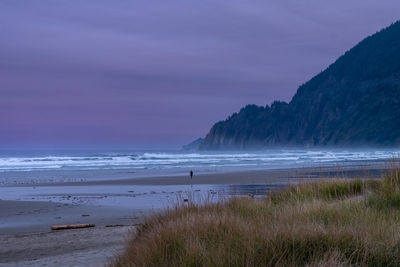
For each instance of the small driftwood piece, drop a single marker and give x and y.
(71, 226)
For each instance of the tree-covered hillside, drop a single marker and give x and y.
(354, 102)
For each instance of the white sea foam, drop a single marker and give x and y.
(159, 160)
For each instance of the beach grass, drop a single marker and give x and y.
(327, 223)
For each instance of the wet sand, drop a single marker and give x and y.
(80, 247)
(247, 177)
(25, 217)
(26, 238)
(123, 201)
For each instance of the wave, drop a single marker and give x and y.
(160, 160)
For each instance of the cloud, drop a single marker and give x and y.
(162, 71)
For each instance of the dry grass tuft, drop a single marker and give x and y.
(329, 223)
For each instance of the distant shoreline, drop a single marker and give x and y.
(373, 168)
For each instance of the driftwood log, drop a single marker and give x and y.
(71, 226)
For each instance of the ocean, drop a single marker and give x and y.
(62, 166)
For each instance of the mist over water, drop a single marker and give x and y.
(76, 165)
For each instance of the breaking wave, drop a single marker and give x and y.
(163, 160)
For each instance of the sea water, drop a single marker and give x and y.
(63, 166)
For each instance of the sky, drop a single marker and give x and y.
(155, 74)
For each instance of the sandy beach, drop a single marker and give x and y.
(80, 247)
(369, 169)
(27, 211)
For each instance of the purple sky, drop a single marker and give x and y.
(158, 74)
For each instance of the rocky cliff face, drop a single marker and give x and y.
(354, 102)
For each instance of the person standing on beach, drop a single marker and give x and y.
(191, 174)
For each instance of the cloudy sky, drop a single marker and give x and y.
(157, 74)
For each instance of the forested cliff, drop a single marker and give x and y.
(354, 102)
